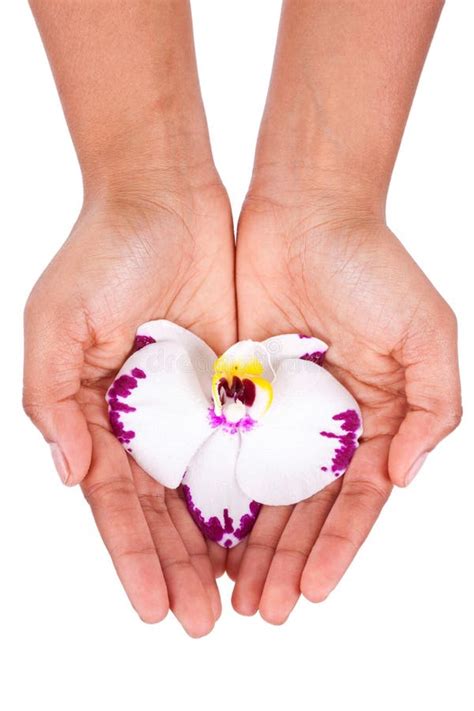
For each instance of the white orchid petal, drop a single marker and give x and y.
(245, 353)
(249, 357)
(263, 398)
(293, 345)
(305, 440)
(158, 409)
(200, 354)
(217, 504)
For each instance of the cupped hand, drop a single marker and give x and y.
(137, 255)
(314, 264)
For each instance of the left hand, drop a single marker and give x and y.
(325, 268)
(150, 252)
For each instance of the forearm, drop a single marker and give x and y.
(126, 74)
(344, 77)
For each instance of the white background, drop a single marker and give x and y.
(397, 633)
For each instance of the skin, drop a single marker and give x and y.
(315, 253)
(154, 239)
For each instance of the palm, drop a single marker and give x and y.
(351, 283)
(355, 287)
(141, 266)
(122, 267)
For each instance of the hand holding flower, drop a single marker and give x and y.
(314, 255)
(154, 239)
(392, 343)
(263, 423)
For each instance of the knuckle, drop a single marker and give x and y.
(449, 317)
(199, 554)
(443, 325)
(183, 564)
(368, 494)
(122, 551)
(112, 493)
(42, 305)
(298, 554)
(262, 546)
(340, 538)
(153, 503)
(452, 418)
(435, 326)
(49, 304)
(321, 501)
(31, 410)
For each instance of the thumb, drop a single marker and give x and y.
(52, 368)
(433, 393)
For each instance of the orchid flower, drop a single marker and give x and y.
(264, 423)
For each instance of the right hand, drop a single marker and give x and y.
(309, 262)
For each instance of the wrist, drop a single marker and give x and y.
(332, 191)
(162, 143)
(299, 150)
(144, 165)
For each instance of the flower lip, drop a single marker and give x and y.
(239, 376)
(240, 389)
(234, 412)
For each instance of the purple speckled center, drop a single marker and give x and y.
(348, 440)
(214, 528)
(122, 388)
(246, 424)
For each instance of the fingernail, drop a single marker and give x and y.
(415, 468)
(59, 462)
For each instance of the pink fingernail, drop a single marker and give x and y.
(59, 462)
(415, 468)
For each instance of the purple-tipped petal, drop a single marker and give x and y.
(306, 439)
(293, 345)
(220, 509)
(200, 355)
(158, 408)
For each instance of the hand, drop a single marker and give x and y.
(315, 264)
(143, 253)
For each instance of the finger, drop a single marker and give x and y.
(189, 601)
(433, 393)
(195, 545)
(110, 491)
(365, 489)
(53, 361)
(257, 557)
(218, 556)
(234, 559)
(282, 586)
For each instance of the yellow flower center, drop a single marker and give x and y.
(240, 379)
